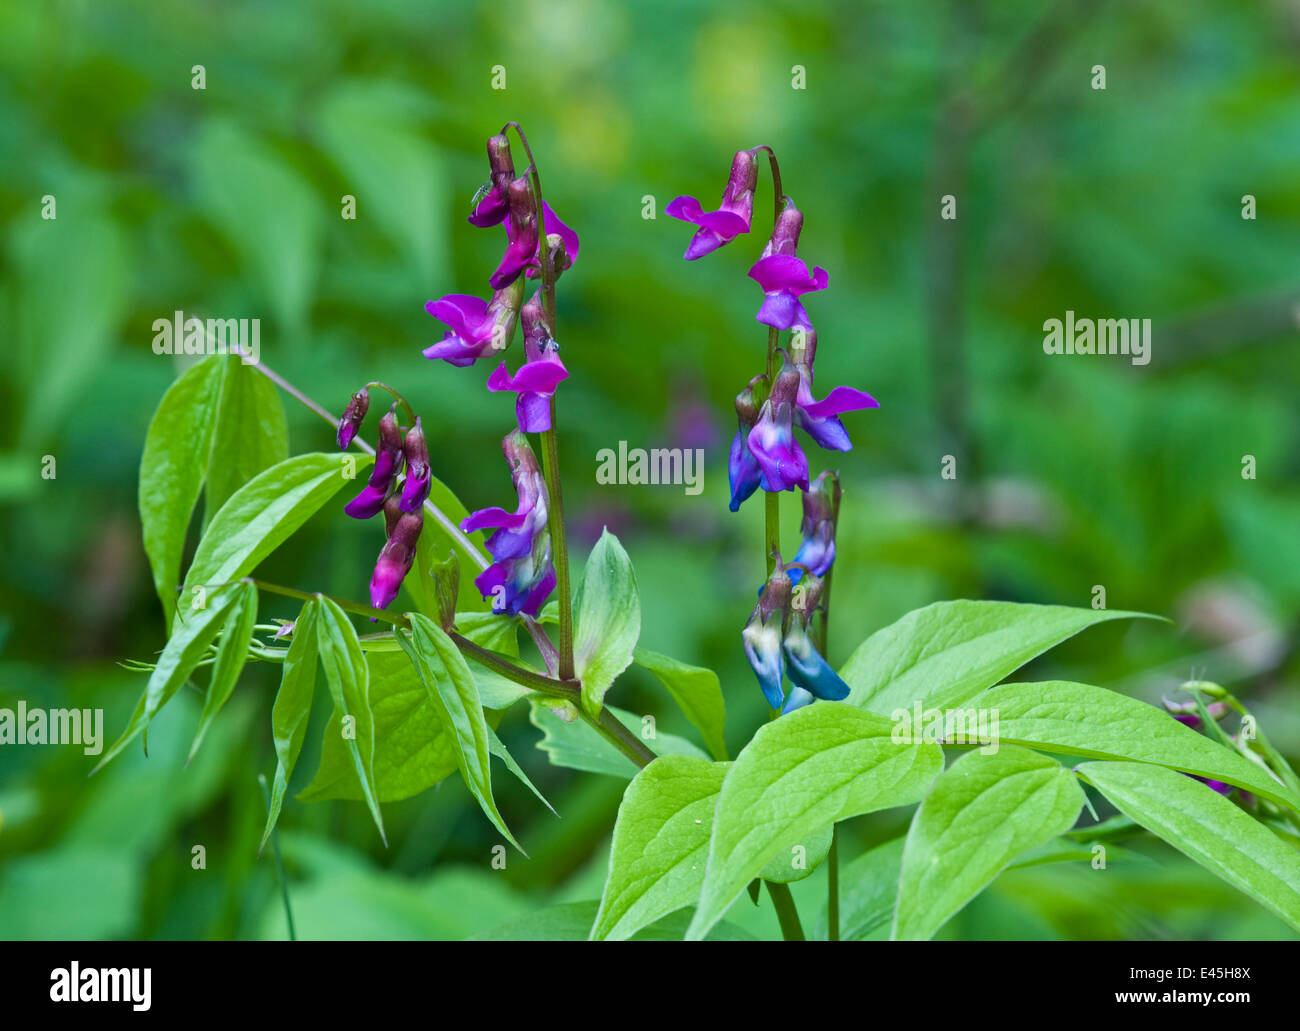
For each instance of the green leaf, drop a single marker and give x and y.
(946, 653)
(251, 432)
(571, 921)
(575, 745)
(292, 707)
(818, 765)
(176, 452)
(868, 890)
(982, 812)
(607, 617)
(184, 650)
(495, 632)
(413, 750)
(798, 858)
(348, 678)
(661, 843)
(435, 543)
(1079, 719)
(262, 514)
(451, 687)
(1207, 828)
(698, 694)
(498, 748)
(232, 653)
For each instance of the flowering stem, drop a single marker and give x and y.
(448, 525)
(783, 902)
(410, 412)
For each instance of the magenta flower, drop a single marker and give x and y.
(493, 203)
(521, 235)
(419, 477)
(562, 242)
(522, 576)
(476, 328)
(542, 371)
(772, 442)
(352, 418)
(398, 554)
(733, 216)
(388, 463)
(784, 279)
(743, 473)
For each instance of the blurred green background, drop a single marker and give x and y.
(1072, 471)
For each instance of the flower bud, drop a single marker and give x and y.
(388, 462)
(785, 232)
(353, 415)
(396, 559)
(416, 454)
(821, 504)
(491, 202)
(521, 233)
(761, 636)
(743, 472)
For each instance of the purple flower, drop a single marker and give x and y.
(820, 419)
(418, 475)
(475, 327)
(398, 554)
(542, 371)
(522, 576)
(761, 636)
(771, 441)
(733, 216)
(353, 415)
(816, 552)
(521, 235)
(493, 203)
(743, 472)
(561, 241)
(784, 279)
(388, 462)
(785, 231)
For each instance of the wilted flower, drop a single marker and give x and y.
(810, 674)
(522, 576)
(743, 472)
(398, 554)
(761, 636)
(535, 381)
(353, 416)
(733, 215)
(816, 552)
(475, 327)
(388, 463)
(493, 202)
(415, 451)
(772, 442)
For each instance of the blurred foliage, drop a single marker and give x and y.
(1074, 472)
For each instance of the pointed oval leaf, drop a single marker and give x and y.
(232, 653)
(251, 433)
(818, 765)
(1205, 827)
(1079, 719)
(982, 813)
(661, 844)
(697, 692)
(607, 618)
(946, 653)
(292, 708)
(452, 690)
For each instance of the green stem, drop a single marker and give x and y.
(410, 412)
(833, 887)
(559, 546)
(772, 528)
(279, 862)
(783, 902)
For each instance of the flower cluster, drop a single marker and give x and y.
(403, 509)
(764, 452)
(522, 574)
(777, 644)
